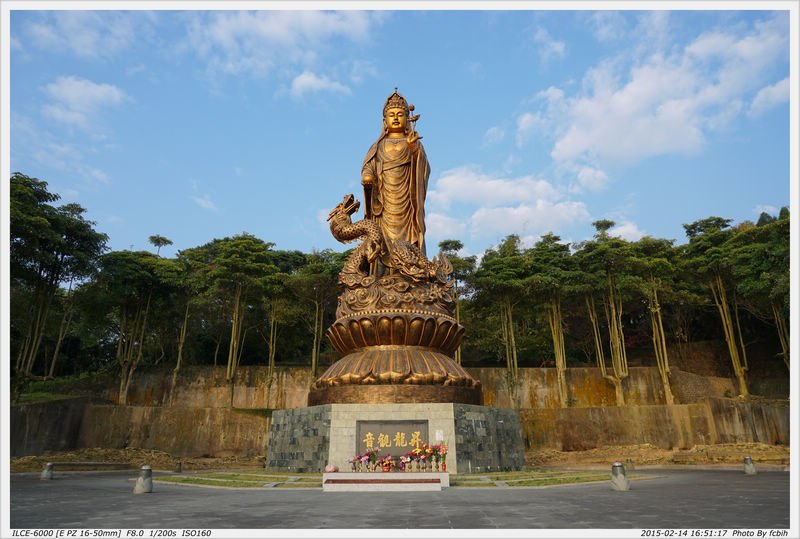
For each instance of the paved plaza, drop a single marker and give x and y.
(669, 499)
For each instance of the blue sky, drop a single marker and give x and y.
(203, 124)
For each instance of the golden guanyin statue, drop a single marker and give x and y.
(395, 324)
(395, 177)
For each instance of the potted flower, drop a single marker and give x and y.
(372, 458)
(443, 456)
(417, 457)
(354, 462)
(386, 463)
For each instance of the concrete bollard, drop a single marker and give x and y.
(144, 483)
(47, 473)
(619, 481)
(749, 467)
(629, 465)
(178, 467)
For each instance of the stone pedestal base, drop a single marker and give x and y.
(480, 439)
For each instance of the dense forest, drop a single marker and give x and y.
(78, 307)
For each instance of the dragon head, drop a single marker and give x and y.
(348, 206)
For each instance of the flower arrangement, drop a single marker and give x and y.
(387, 463)
(423, 457)
(440, 455)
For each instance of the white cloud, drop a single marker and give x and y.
(204, 202)
(88, 34)
(592, 178)
(135, 69)
(257, 42)
(627, 230)
(40, 146)
(468, 184)
(491, 206)
(549, 48)
(308, 82)
(608, 25)
(528, 219)
(361, 69)
(493, 135)
(547, 120)
(443, 226)
(769, 97)
(660, 101)
(76, 101)
(526, 123)
(653, 28)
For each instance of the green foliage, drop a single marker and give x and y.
(284, 299)
(159, 241)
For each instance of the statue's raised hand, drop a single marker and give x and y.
(412, 138)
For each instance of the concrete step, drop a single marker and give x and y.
(384, 482)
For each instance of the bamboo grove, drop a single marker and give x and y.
(78, 307)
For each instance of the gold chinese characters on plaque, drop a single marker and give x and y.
(391, 437)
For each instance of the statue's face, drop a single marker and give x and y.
(396, 119)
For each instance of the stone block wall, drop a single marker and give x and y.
(299, 439)
(479, 438)
(487, 439)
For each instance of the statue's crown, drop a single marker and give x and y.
(395, 101)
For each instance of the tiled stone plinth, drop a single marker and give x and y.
(384, 482)
(299, 439)
(479, 438)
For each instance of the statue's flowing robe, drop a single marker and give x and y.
(396, 199)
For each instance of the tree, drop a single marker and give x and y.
(551, 264)
(278, 304)
(709, 260)
(501, 282)
(654, 261)
(68, 301)
(159, 242)
(314, 284)
(235, 271)
(759, 263)
(463, 267)
(128, 282)
(50, 246)
(605, 270)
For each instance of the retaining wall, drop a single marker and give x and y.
(679, 426)
(205, 387)
(188, 432)
(54, 426)
(201, 423)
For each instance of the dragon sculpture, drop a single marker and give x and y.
(411, 280)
